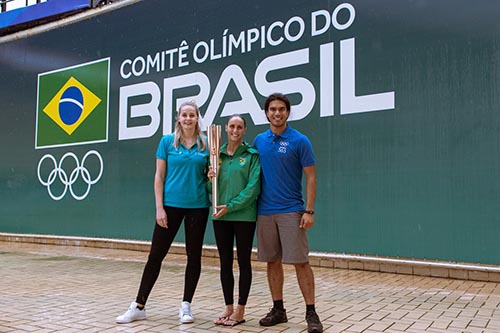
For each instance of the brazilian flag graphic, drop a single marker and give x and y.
(73, 105)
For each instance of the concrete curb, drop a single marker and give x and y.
(461, 271)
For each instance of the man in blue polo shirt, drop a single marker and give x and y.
(283, 221)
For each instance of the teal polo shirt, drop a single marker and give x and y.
(185, 178)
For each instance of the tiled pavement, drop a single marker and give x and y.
(50, 288)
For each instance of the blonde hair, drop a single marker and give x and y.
(200, 136)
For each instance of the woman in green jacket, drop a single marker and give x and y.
(238, 182)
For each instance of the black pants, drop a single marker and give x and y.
(195, 223)
(225, 233)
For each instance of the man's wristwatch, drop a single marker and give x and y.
(309, 212)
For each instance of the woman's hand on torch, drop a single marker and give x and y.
(211, 173)
(220, 211)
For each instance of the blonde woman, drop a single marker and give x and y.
(180, 195)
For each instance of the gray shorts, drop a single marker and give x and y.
(280, 237)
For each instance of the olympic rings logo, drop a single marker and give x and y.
(79, 170)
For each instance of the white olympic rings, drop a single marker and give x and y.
(59, 172)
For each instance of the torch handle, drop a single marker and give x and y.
(214, 140)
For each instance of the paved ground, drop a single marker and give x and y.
(72, 289)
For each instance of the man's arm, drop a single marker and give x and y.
(308, 219)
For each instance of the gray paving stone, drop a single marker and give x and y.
(51, 288)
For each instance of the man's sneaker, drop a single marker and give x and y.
(132, 314)
(313, 323)
(185, 315)
(274, 317)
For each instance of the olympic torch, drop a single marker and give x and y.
(214, 142)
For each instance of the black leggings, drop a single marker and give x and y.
(195, 223)
(225, 233)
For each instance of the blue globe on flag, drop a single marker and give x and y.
(71, 105)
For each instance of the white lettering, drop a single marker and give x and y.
(151, 62)
(213, 56)
(349, 102)
(326, 80)
(252, 37)
(205, 50)
(142, 66)
(302, 28)
(131, 126)
(352, 15)
(294, 85)
(149, 110)
(269, 36)
(170, 53)
(124, 75)
(236, 43)
(177, 82)
(247, 104)
(183, 54)
(326, 16)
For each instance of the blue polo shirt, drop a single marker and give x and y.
(282, 158)
(185, 178)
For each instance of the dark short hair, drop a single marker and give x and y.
(236, 115)
(279, 97)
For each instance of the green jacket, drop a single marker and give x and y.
(238, 183)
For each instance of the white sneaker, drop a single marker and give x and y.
(133, 313)
(185, 315)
